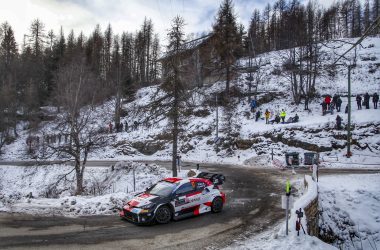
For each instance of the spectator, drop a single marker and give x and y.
(359, 101)
(277, 119)
(328, 101)
(366, 100)
(253, 106)
(338, 104)
(283, 115)
(296, 118)
(306, 102)
(136, 125)
(324, 107)
(267, 115)
(375, 100)
(334, 100)
(110, 127)
(338, 122)
(346, 109)
(258, 115)
(293, 119)
(126, 126)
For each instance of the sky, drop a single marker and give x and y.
(123, 15)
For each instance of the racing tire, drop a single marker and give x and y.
(217, 205)
(163, 215)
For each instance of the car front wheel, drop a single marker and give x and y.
(217, 205)
(163, 215)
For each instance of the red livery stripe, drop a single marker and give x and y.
(173, 179)
(145, 195)
(133, 203)
(196, 210)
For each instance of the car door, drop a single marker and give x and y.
(182, 198)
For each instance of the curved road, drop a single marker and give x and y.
(253, 205)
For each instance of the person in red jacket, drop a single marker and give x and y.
(328, 101)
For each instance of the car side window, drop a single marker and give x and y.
(185, 188)
(200, 186)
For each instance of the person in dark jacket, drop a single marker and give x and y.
(359, 101)
(375, 100)
(338, 122)
(110, 127)
(366, 100)
(296, 118)
(277, 119)
(338, 104)
(306, 102)
(258, 115)
(346, 109)
(334, 100)
(324, 107)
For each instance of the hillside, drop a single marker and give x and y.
(242, 140)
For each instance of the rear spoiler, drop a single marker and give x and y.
(216, 179)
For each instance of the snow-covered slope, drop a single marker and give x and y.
(242, 140)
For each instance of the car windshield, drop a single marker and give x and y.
(162, 188)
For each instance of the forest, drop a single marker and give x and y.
(36, 72)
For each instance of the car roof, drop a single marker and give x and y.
(181, 181)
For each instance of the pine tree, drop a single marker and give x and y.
(173, 81)
(367, 20)
(226, 37)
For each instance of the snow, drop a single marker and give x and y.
(347, 200)
(351, 210)
(196, 143)
(276, 238)
(106, 190)
(350, 216)
(273, 240)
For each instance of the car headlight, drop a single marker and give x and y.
(148, 206)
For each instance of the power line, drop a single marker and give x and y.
(374, 25)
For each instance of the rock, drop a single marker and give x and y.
(149, 147)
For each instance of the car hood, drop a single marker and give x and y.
(142, 200)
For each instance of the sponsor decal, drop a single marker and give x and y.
(136, 210)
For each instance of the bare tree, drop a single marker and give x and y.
(77, 91)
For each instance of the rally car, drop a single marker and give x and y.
(176, 198)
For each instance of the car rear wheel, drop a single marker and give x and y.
(163, 215)
(217, 205)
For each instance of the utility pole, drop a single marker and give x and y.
(217, 116)
(349, 112)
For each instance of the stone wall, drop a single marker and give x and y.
(312, 217)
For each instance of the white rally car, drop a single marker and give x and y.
(176, 198)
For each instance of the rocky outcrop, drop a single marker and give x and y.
(297, 143)
(149, 147)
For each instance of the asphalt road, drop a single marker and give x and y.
(253, 205)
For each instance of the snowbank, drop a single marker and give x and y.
(49, 189)
(351, 210)
(277, 239)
